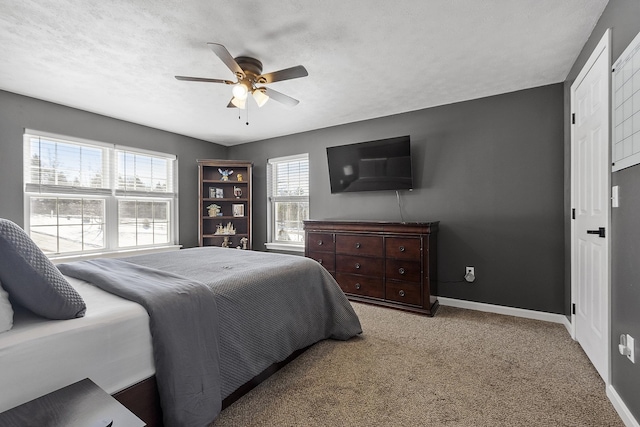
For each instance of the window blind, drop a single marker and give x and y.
(288, 177)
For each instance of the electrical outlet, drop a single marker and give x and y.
(631, 354)
(469, 274)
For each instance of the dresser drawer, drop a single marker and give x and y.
(327, 260)
(404, 292)
(320, 242)
(399, 269)
(403, 248)
(359, 285)
(360, 265)
(357, 244)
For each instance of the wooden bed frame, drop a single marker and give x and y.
(143, 399)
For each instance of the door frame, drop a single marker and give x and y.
(604, 45)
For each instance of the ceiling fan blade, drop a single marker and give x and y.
(226, 57)
(281, 97)
(202, 79)
(286, 74)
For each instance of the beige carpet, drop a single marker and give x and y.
(459, 368)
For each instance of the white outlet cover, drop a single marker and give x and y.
(631, 345)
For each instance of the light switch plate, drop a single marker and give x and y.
(614, 197)
(631, 345)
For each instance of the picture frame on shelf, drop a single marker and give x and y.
(237, 209)
(216, 193)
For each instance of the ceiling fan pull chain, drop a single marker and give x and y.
(247, 114)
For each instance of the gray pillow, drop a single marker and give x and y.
(32, 280)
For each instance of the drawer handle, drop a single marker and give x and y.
(320, 261)
(401, 293)
(402, 249)
(401, 270)
(358, 286)
(357, 266)
(319, 242)
(358, 245)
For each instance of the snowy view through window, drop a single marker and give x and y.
(90, 198)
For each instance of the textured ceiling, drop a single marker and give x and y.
(366, 58)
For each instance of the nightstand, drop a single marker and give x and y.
(82, 404)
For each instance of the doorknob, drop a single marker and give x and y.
(599, 232)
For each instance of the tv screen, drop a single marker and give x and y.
(371, 166)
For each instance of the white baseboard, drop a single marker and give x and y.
(621, 408)
(509, 311)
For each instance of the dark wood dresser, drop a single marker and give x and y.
(391, 264)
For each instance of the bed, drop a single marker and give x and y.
(268, 307)
(111, 345)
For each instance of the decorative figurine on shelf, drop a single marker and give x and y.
(214, 210)
(244, 242)
(228, 229)
(225, 242)
(237, 191)
(239, 176)
(225, 174)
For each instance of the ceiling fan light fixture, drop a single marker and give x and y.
(240, 91)
(248, 71)
(259, 94)
(239, 103)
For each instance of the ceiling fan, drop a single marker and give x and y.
(248, 71)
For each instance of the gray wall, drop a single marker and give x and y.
(623, 17)
(19, 112)
(491, 170)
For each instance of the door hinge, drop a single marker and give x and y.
(573, 308)
(573, 213)
(573, 118)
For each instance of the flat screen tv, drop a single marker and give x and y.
(371, 166)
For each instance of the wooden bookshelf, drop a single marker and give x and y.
(232, 195)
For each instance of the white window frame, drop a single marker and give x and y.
(110, 193)
(271, 243)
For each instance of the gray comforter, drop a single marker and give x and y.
(221, 316)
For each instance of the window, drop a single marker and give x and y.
(288, 200)
(86, 196)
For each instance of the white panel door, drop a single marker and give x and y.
(590, 194)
